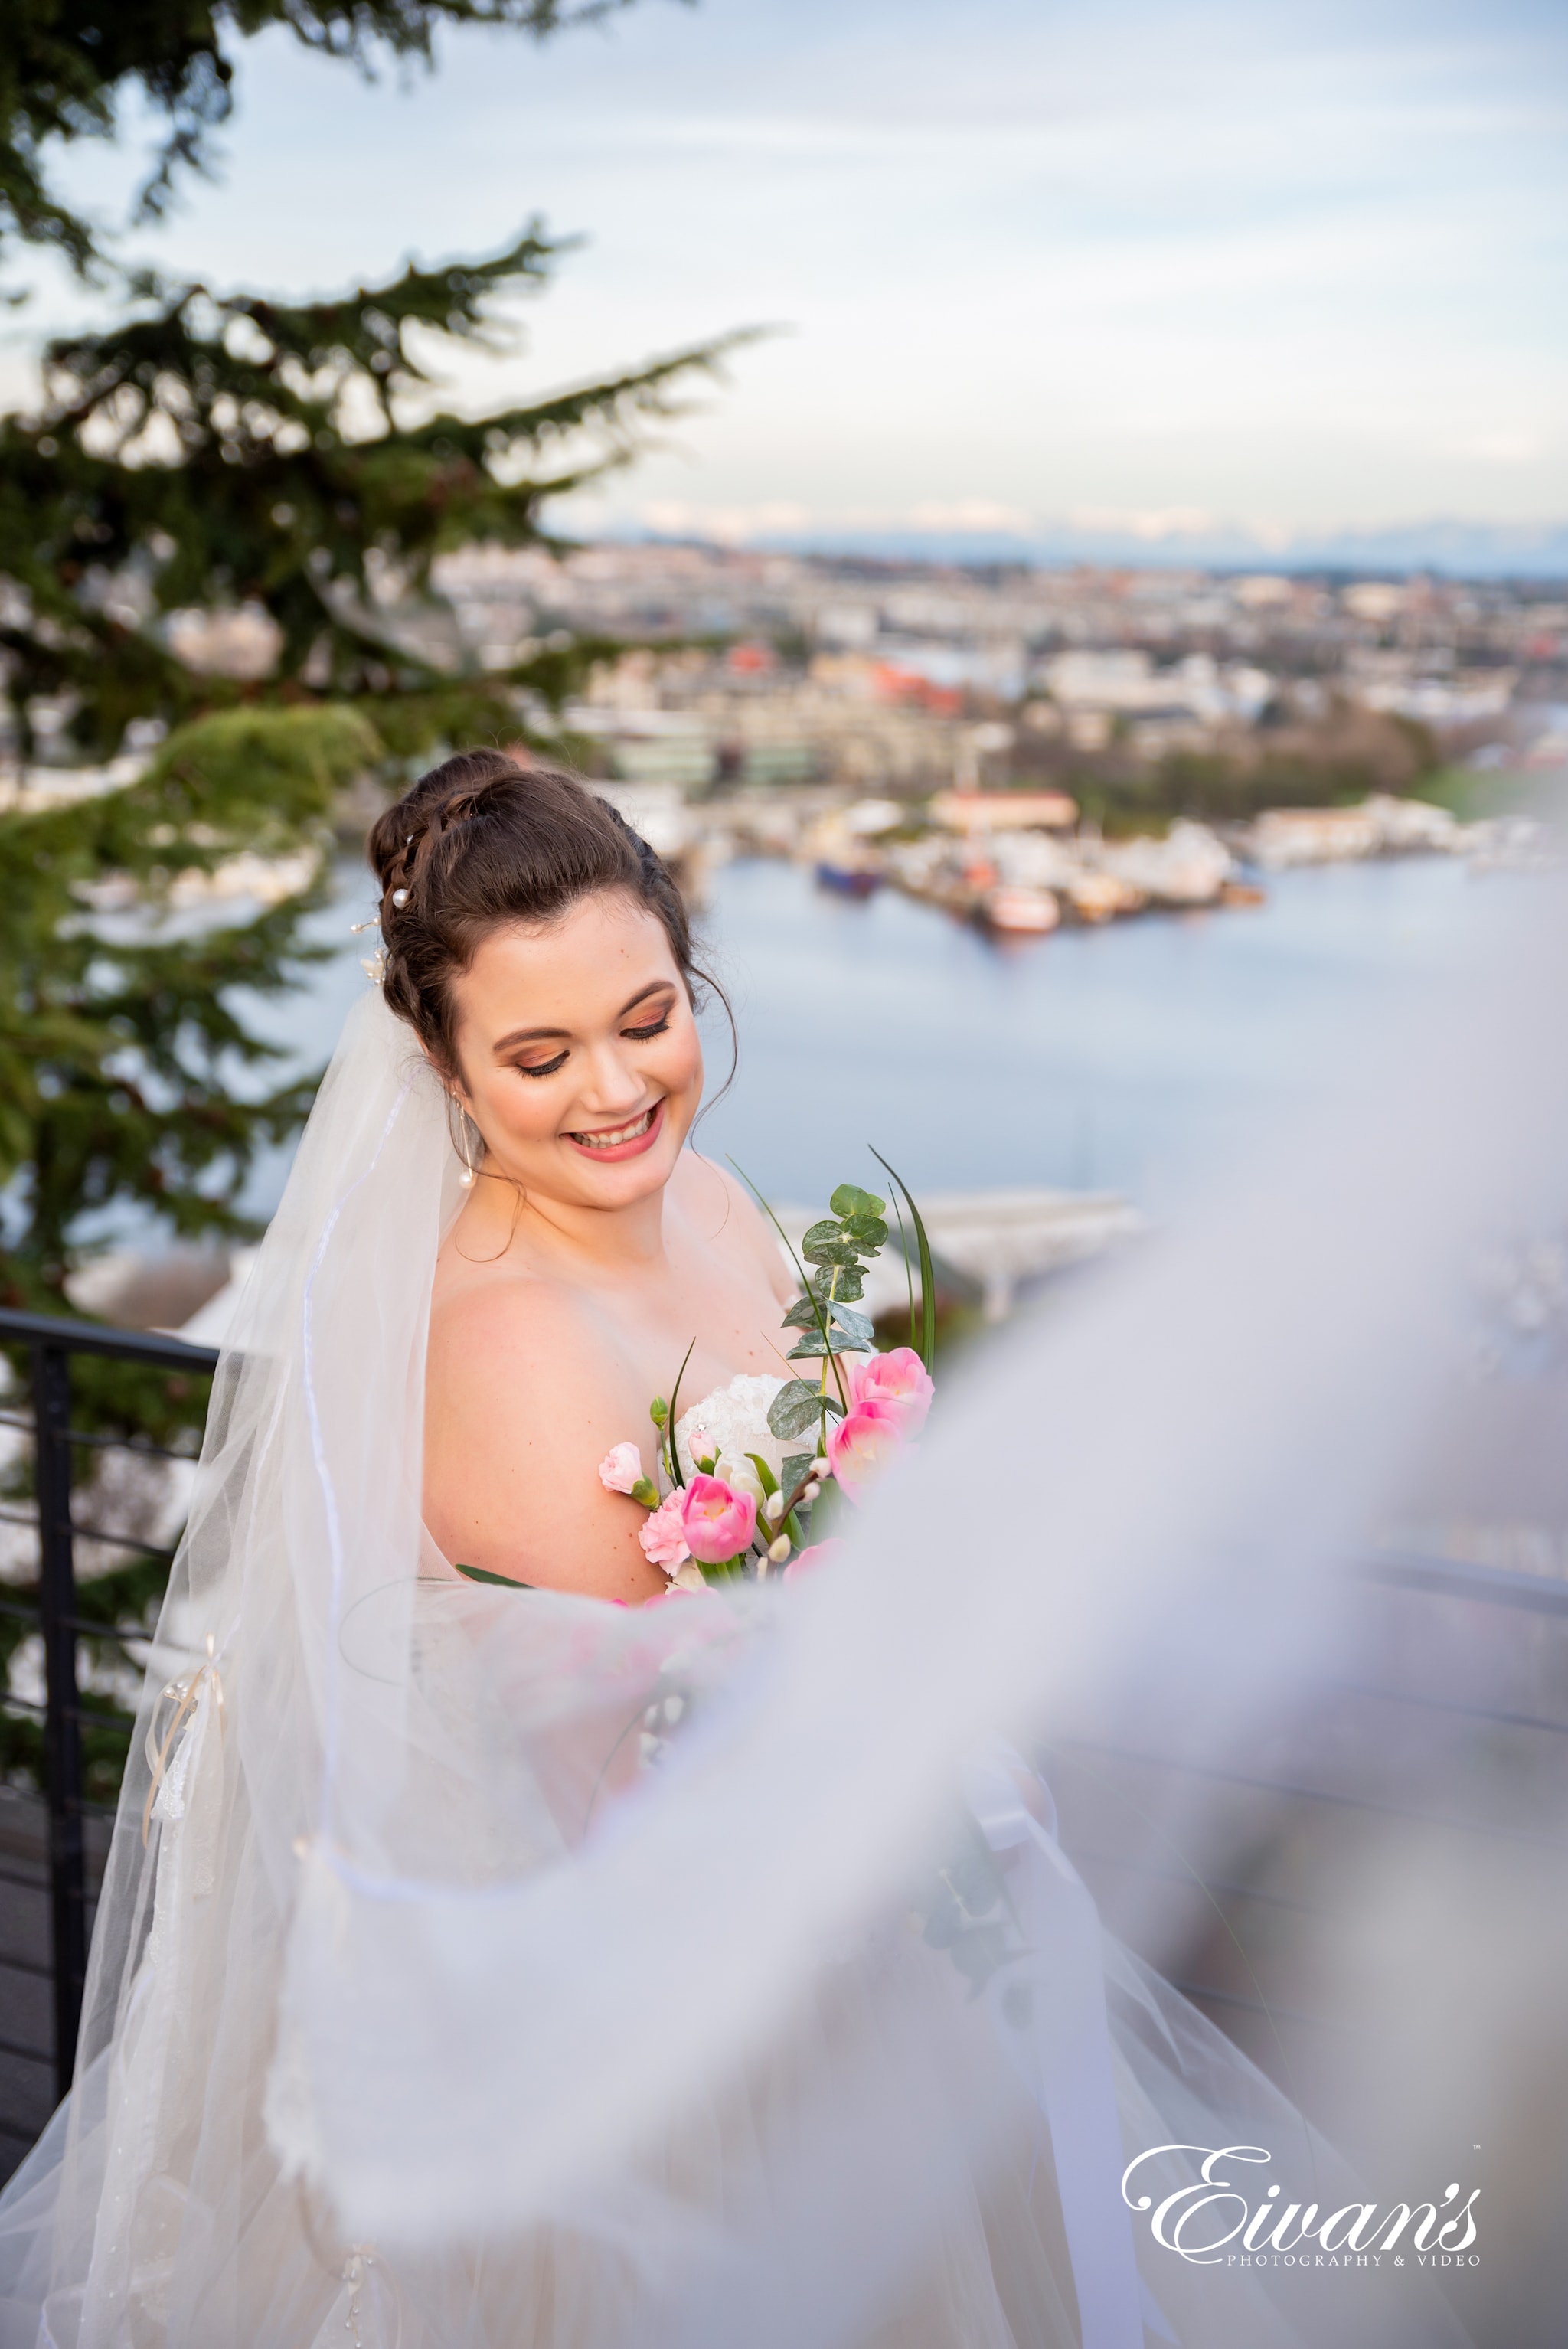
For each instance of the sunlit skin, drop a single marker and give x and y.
(575, 1278)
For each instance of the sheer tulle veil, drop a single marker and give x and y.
(420, 2014)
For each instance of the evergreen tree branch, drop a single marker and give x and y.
(67, 66)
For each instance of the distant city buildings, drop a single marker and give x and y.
(755, 668)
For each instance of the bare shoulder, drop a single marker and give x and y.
(526, 1390)
(517, 1347)
(725, 1215)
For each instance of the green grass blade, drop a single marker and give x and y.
(908, 1267)
(675, 1450)
(927, 1347)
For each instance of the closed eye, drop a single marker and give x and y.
(543, 1068)
(646, 1035)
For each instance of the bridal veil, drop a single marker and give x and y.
(481, 1967)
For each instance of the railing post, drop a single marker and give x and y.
(62, 1728)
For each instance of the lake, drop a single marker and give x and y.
(1141, 1057)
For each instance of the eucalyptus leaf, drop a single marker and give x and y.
(793, 1474)
(802, 1315)
(848, 1199)
(858, 1325)
(847, 1283)
(833, 1251)
(828, 1229)
(794, 1408)
(811, 1346)
(867, 1232)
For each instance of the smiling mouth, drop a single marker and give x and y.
(616, 1137)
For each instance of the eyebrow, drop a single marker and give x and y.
(517, 1036)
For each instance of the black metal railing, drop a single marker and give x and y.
(50, 1345)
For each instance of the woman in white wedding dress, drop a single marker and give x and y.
(493, 1968)
(594, 1248)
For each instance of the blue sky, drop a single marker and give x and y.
(1298, 267)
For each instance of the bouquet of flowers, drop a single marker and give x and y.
(731, 1499)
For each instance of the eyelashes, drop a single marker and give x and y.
(634, 1035)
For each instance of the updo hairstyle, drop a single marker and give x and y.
(481, 841)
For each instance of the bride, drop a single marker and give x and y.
(541, 956)
(506, 1962)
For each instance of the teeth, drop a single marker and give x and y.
(617, 1134)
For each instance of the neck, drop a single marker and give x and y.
(576, 1241)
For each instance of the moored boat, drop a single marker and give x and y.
(1019, 912)
(851, 879)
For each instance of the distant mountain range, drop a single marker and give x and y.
(1459, 550)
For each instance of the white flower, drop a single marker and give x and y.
(740, 1476)
(731, 1422)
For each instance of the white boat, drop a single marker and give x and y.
(1020, 912)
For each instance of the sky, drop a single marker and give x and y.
(1290, 268)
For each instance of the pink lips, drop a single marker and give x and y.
(632, 1149)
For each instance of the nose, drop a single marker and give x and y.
(612, 1085)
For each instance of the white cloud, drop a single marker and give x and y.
(1127, 257)
(1500, 448)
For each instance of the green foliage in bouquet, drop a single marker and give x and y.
(838, 1250)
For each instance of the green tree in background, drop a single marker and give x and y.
(126, 1077)
(206, 453)
(67, 66)
(200, 454)
(210, 452)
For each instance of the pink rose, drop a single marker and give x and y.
(718, 1521)
(901, 1381)
(810, 1559)
(862, 1445)
(621, 1469)
(662, 1534)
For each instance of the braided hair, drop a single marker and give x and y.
(483, 841)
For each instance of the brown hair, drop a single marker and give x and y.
(482, 840)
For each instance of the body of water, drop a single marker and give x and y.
(1141, 1057)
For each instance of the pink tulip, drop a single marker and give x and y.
(862, 1445)
(898, 1379)
(662, 1534)
(718, 1521)
(621, 1468)
(810, 1559)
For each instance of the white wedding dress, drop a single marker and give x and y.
(507, 1970)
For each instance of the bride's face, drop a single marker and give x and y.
(578, 1053)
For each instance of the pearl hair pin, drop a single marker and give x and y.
(400, 896)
